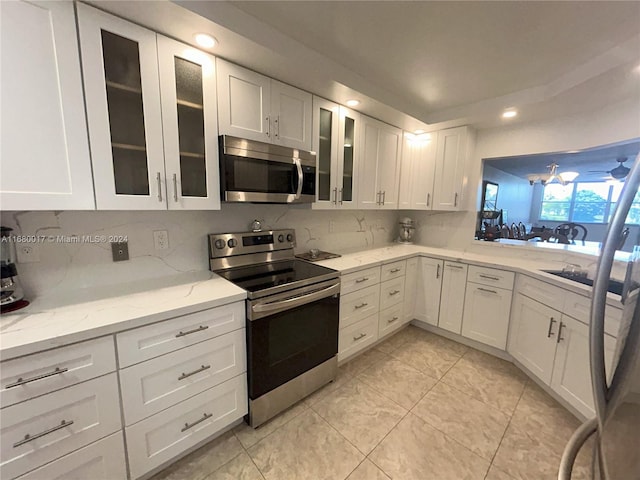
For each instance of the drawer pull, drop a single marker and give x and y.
(487, 290)
(395, 292)
(391, 320)
(22, 381)
(27, 438)
(201, 369)
(395, 270)
(551, 322)
(187, 426)
(489, 277)
(362, 335)
(363, 279)
(358, 307)
(459, 267)
(189, 332)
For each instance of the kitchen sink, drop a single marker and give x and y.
(615, 286)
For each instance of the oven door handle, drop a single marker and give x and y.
(300, 178)
(280, 305)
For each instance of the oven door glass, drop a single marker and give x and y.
(241, 174)
(287, 344)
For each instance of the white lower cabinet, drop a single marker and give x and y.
(454, 280)
(358, 305)
(571, 377)
(45, 428)
(410, 289)
(391, 292)
(532, 339)
(390, 320)
(102, 460)
(163, 436)
(486, 314)
(429, 286)
(358, 336)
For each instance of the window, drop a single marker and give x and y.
(584, 202)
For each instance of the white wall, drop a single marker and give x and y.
(514, 194)
(63, 267)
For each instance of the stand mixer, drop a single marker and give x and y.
(406, 230)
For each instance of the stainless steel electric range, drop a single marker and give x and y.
(292, 317)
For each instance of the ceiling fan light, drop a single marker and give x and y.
(569, 176)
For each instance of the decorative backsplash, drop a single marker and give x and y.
(73, 253)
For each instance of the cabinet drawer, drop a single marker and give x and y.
(102, 460)
(390, 320)
(42, 373)
(391, 292)
(151, 341)
(159, 438)
(359, 280)
(393, 270)
(91, 410)
(579, 307)
(358, 305)
(542, 292)
(491, 276)
(357, 336)
(159, 383)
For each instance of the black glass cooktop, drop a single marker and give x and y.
(260, 279)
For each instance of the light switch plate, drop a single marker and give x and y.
(120, 251)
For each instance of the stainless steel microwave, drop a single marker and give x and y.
(259, 172)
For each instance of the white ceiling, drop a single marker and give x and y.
(417, 63)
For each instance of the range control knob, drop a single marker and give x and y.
(232, 242)
(281, 238)
(220, 244)
(289, 237)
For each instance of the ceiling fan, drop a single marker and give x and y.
(619, 172)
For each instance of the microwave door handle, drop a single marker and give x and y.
(293, 302)
(300, 178)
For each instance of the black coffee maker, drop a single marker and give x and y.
(11, 294)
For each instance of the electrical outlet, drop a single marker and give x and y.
(161, 239)
(120, 251)
(332, 226)
(27, 253)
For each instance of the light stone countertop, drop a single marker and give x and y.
(87, 314)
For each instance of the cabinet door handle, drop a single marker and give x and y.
(276, 127)
(487, 290)
(455, 200)
(489, 277)
(335, 196)
(560, 337)
(189, 332)
(384, 196)
(27, 438)
(187, 426)
(363, 279)
(201, 369)
(378, 197)
(159, 180)
(395, 292)
(268, 120)
(551, 322)
(395, 270)
(362, 305)
(23, 381)
(428, 199)
(391, 320)
(340, 196)
(438, 271)
(175, 187)
(361, 336)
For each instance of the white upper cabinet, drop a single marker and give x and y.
(190, 126)
(120, 66)
(451, 155)
(379, 164)
(255, 107)
(417, 172)
(44, 150)
(334, 141)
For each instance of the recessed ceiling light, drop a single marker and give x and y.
(205, 40)
(509, 114)
(353, 103)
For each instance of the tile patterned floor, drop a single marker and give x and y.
(416, 407)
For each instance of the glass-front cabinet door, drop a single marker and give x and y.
(326, 116)
(120, 67)
(347, 158)
(189, 117)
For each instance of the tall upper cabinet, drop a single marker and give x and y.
(452, 151)
(379, 164)
(256, 107)
(334, 141)
(151, 108)
(418, 171)
(44, 149)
